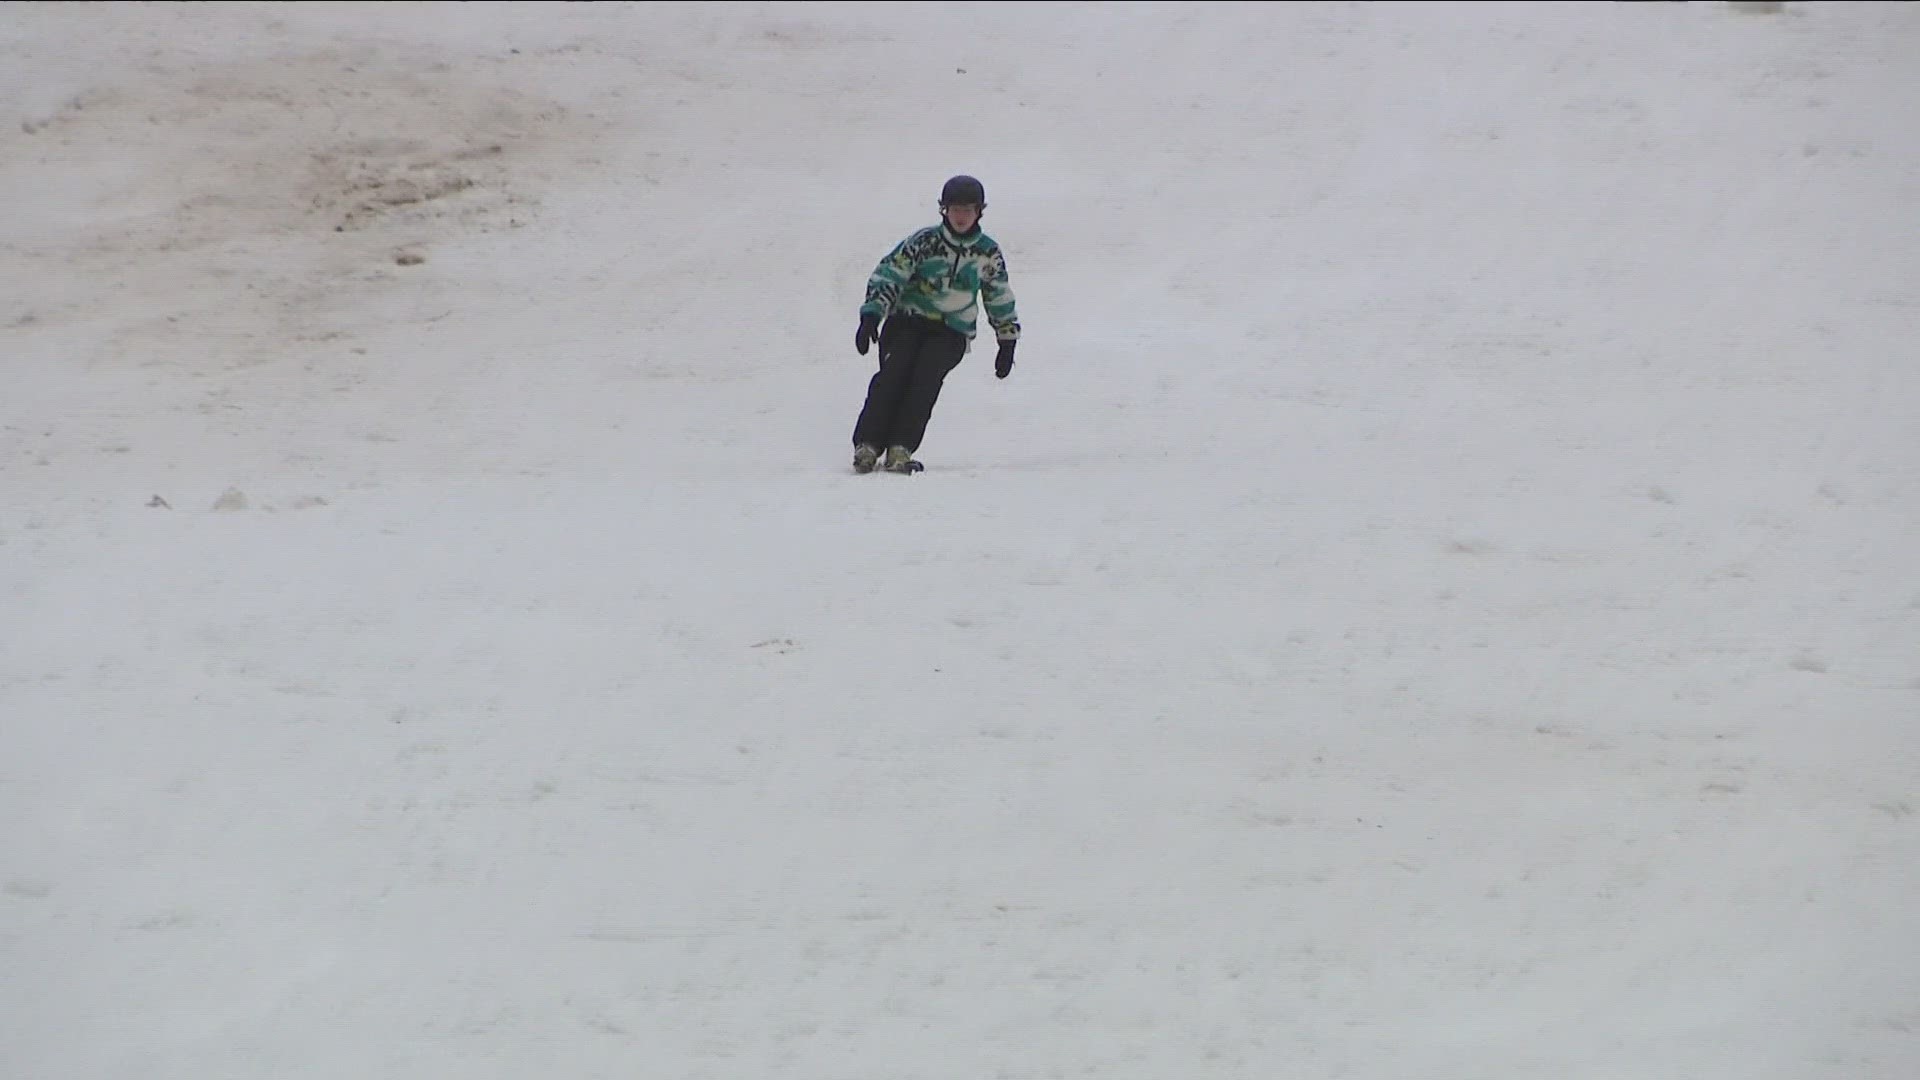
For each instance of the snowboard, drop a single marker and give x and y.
(912, 467)
(880, 466)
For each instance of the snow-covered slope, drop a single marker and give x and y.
(1439, 596)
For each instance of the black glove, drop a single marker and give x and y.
(869, 332)
(1003, 363)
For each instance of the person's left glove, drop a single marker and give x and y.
(1003, 361)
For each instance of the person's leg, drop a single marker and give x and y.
(899, 342)
(940, 352)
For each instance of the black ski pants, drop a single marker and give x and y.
(916, 356)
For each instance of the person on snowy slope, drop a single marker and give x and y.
(928, 290)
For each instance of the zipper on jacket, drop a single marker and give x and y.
(953, 270)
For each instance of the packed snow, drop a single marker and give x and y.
(1438, 597)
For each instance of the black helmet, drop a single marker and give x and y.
(963, 189)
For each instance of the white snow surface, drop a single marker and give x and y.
(1438, 598)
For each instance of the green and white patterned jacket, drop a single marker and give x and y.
(936, 273)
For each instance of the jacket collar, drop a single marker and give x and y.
(965, 239)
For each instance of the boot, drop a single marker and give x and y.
(865, 457)
(899, 459)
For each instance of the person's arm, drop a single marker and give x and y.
(889, 277)
(997, 291)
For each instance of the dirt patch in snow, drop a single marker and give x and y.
(259, 198)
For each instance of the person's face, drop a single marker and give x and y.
(962, 216)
